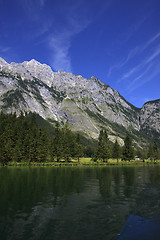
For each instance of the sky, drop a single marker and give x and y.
(117, 41)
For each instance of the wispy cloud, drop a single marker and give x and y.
(4, 49)
(134, 28)
(152, 40)
(155, 54)
(131, 72)
(144, 64)
(77, 18)
(60, 41)
(137, 81)
(147, 69)
(41, 32)
(136, 51)
(59, 45)
(123, 62)
(66, 19)
(32, 8)
(142, 79)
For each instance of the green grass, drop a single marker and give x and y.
(84, 162)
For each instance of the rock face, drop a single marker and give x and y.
(150, 116)
(87, 104)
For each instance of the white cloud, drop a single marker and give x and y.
(131, 54)
(148, 75)
(59, 45)
(5, 49)
(134, 53)
(60, 41)
(155, 54)
(143, 66)
(153, 39)
(131, 72)
(77, 17)
(140, 80)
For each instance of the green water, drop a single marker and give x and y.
(75, 203)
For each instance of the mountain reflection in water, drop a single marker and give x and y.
(77, 203)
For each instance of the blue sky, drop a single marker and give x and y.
(117, 41)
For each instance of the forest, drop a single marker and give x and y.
(23, 139)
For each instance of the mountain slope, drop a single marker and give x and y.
(150, 119)
(87, 104)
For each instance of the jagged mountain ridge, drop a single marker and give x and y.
(87, 104)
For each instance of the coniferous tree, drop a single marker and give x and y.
(19, 153)
(56, 143)
(153, 152)
(142, 153)
(21, 139)
(78, 148)
(128, 151)
(103, 150)
(68, 143)
(42, 146)
(7, 141)
(116, 151)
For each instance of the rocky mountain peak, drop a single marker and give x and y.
(87, 104)
(33, 62)
(3, 62)
(36, 66)
(150, 115)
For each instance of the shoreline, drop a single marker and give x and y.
(82, 163)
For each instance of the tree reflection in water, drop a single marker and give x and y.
(78, 203)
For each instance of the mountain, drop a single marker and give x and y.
(150, 119)
(87, 104)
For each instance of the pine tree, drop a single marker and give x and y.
(21, 139)
(153, 152)
(116, 151)
(78, 149)
(19, 153)
(128, 151)
(103, 150)
(68, 143)
(42, 146)
(56, 143)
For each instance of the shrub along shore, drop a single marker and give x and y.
(83, 162)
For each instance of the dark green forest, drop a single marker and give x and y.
(27, 138)
(22, 139)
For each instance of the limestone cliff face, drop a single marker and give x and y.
(87, 104)
(150, 115)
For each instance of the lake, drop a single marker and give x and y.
(75, 203)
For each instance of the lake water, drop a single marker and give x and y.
(79, 203)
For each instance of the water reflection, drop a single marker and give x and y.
(75, 203)
(118, 181)
(139, 228)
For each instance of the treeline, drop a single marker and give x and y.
(106, 150)
(22, 139)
